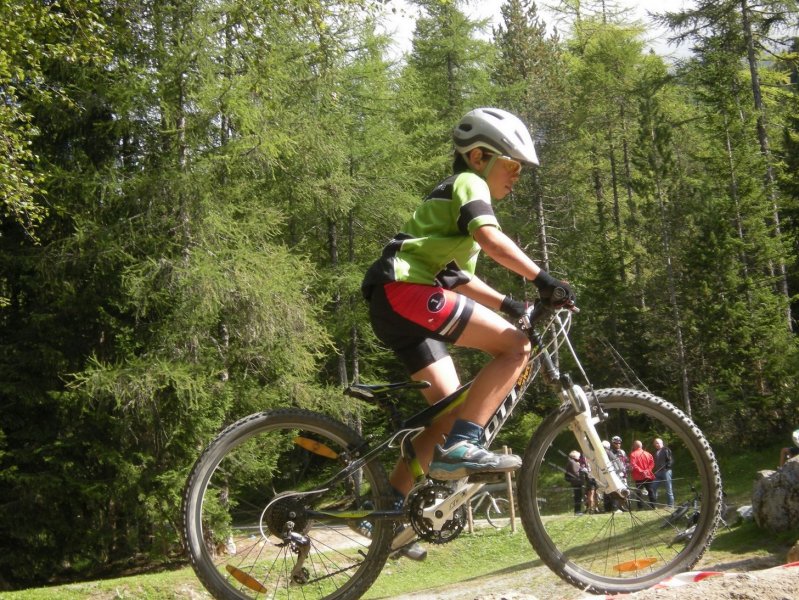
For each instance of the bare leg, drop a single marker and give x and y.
(509, 348)
(444, 380)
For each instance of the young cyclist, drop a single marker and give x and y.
(423, 294)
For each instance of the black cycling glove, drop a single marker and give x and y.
(513, 308)
(554, 291)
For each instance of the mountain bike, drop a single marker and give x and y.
(686, 515)
(291, 503)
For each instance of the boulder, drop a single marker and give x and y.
(775, 499)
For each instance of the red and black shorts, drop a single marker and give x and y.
(417, 321)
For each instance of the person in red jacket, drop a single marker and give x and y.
(642, 464)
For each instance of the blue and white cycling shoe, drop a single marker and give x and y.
(465, 458)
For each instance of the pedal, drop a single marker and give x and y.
(486, 478)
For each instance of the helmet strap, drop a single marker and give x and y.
(489, 166)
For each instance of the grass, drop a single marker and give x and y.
(486, 553)
(739, 467)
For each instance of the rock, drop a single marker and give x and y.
(775, 499)
(765, 474)
(745, 513)
(793, 554)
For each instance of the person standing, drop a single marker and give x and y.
(619, 458)
(642, 465)
(590, 486)
(789, 452)
(575, 479)
(663, 465)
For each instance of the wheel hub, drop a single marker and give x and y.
(283, 509)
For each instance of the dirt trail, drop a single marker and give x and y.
(753, 579)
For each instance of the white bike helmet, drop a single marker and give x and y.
(497, 130)
(795, 437)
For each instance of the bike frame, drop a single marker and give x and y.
(541, 359)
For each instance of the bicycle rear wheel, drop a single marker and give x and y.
(263, 514)
(626, 548)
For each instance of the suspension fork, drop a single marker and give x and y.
(583, 426)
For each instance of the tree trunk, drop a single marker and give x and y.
(614, 184)
(675, 309)
(633, 212)
(780, 271)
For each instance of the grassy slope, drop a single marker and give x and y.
(486, 553)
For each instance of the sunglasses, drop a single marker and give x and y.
(512, 167)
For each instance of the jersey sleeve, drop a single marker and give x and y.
(473, 203)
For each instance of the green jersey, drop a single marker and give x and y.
(436, 247)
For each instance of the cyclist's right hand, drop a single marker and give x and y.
(554, 292)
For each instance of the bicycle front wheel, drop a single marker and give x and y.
(625, 547)
(268, 512)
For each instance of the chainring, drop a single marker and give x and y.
(427, 497)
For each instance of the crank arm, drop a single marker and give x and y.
(441, 512)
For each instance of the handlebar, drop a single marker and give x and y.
(542, 308)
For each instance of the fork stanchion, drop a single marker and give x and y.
(511, 503)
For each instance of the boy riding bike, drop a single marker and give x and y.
(423, 294)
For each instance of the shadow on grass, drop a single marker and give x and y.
(763, 549)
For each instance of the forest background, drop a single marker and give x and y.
(192, 190)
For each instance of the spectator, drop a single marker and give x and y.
(642, 464)
(590, 485)
(791, 451)
(575, 479)
(663, 464)
(619, 458)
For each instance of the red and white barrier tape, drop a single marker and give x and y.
(686, 578)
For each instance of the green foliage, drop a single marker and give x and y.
(33, 35)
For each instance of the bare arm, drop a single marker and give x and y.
(479, 291)
(503, 250)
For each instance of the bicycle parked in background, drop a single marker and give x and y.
(275, 504)
(489, 504)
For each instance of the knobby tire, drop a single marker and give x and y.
(625, 548)
(234, 541)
